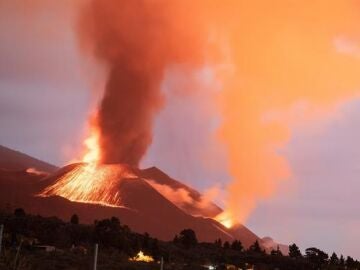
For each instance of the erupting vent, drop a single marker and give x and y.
(91, 183)
(94, 182)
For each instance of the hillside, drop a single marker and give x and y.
(14, 160)
(144, 208)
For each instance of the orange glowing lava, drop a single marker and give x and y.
(91, 182)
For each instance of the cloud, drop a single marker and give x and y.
(319, 203)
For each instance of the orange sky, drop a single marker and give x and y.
(278, 55)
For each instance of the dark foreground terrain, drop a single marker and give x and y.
(35, 242)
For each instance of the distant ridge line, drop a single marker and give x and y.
(16, 160)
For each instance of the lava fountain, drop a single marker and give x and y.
(90, 181)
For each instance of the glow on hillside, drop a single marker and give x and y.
(225, 219)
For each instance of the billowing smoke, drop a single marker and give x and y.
(136, 41)
(270, 59)
(286, 66)
(277, 63)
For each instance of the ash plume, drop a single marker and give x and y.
(136, 41)
(267, 64)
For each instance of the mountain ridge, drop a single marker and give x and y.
(15, 160)
(145, 209)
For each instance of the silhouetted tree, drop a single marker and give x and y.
(255, 247)
(146, 241)
(334, 260)
(74, 219)
(18, 225)
(237, 245)
(188, 238)
(19, 212)
(176, 239)
(316, 256)
(107, 232)
(350, 263)
(115, 223)
(342, 261)
(118, 240)
(154, 249)
(276, 252)
(294, 251)
(218, 243)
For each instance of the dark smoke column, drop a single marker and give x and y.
(136, 41)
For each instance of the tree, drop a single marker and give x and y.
(342, 260)
(107, 232)
(276, 252)
(294, 251)
(316, 256)
(334, 260)
(237, 245)
(188, 238)
(154, 249)
(115, 223)
(226, 245)
(218, 243)
(350, 263)
(19, 212)
(74, 219)
(255, 247)
(19, 222)
(176, 239)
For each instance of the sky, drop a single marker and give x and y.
(45, 101)
(318, 206)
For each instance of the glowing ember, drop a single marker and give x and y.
(225, 219)
(141, 257)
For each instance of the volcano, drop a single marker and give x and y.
(146, 200)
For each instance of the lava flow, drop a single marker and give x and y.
(90, 181)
